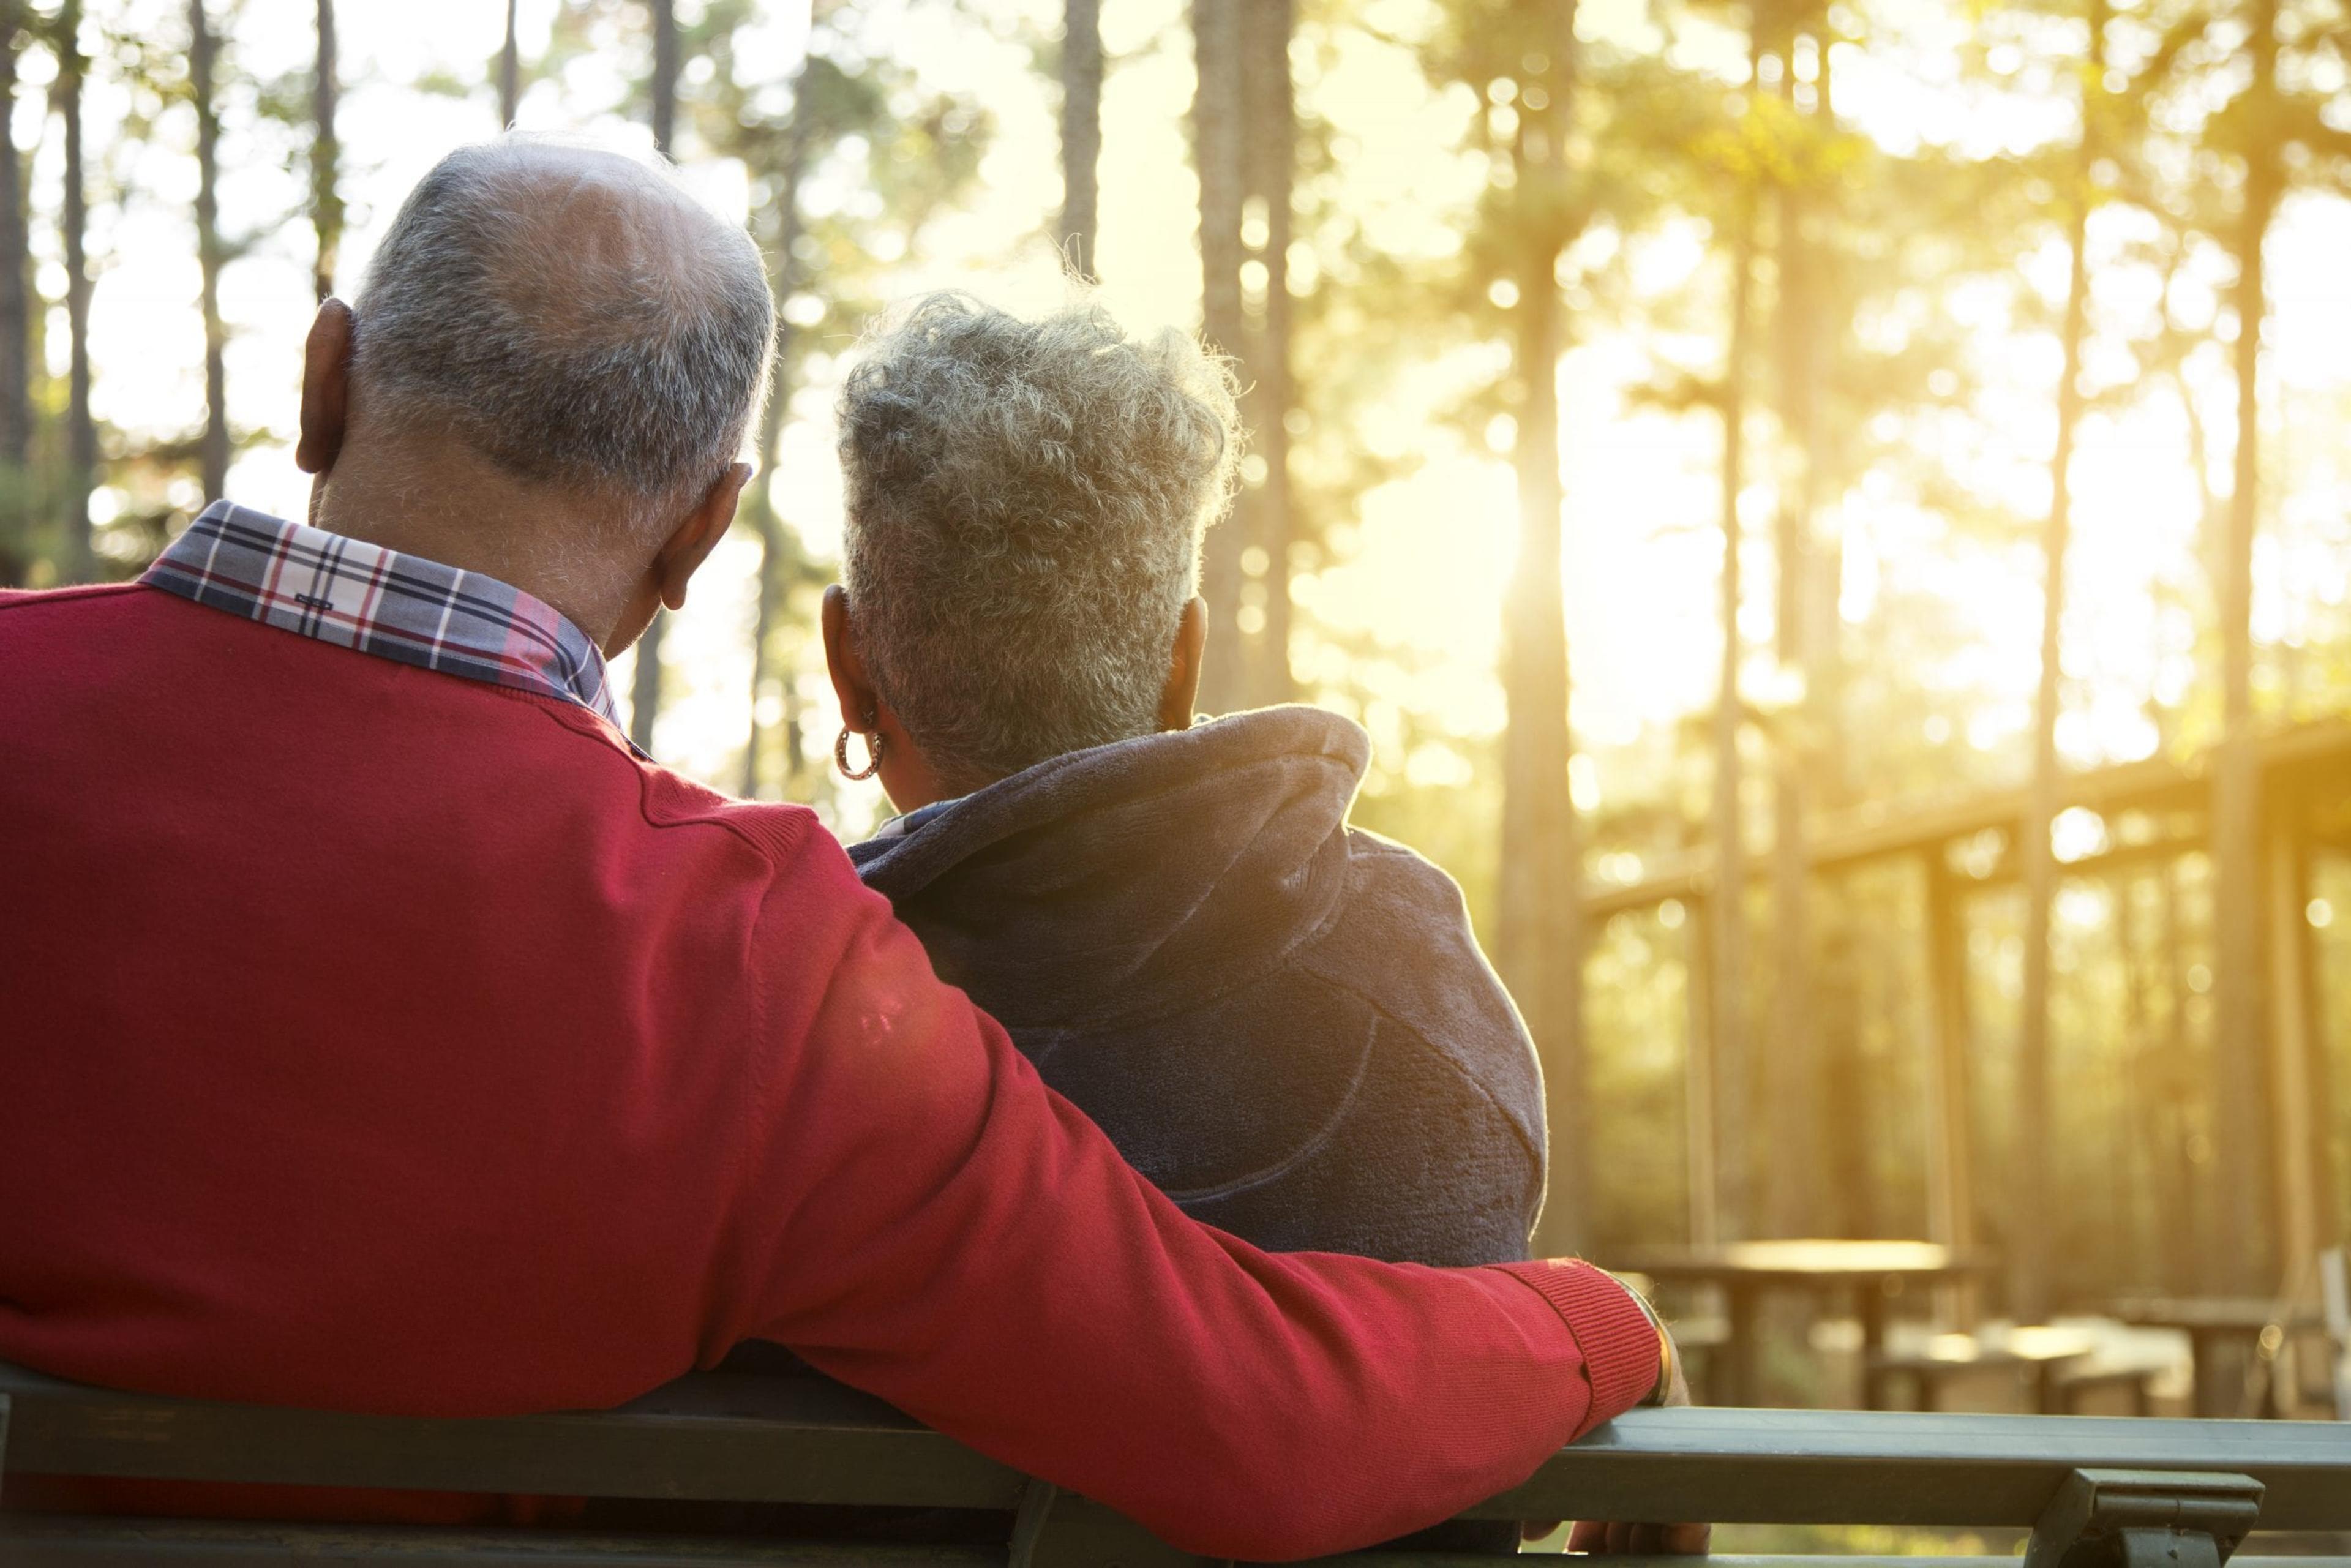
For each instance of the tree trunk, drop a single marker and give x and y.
(510, 71)
(81, 433)
(2031, 1255)
(645, 688)
(1725, 1128)
(326, 157)
(1792, 1071)
(203, 51)
(663, 92)
(1081, 84)
(1217, 108)
(1271, 120)
(774, 558)
(15, 321)
(2240, 1151)
(1539, 936)
(15, 312)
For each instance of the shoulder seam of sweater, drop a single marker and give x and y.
(773, 835)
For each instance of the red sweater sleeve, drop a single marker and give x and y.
(921, 1218)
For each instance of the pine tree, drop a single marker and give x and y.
(2264, 64)
(1218, 155)
(1270, 161)
(1523, 60)
(645, 689)
(864, 122)
(2029, 1237)
(1727, 1059)
(1791, 33)
(2236, 775)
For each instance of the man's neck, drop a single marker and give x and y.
(464, 514)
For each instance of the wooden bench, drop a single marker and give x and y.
(2135, 1378)
(2190, 1489)
(2065, 1365)
(2045, 1354)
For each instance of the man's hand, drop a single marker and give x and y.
(1642, 1540)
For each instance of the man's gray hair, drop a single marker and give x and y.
(1025, 502)
(574, 317)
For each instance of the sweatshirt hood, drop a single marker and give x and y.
(1105, 883)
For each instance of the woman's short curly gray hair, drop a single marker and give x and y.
(1024, 511)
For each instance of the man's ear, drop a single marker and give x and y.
(326, 388)
(691, 542)
(1183, 689)
(850, 687)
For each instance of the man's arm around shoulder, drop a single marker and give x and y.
(920, 1217)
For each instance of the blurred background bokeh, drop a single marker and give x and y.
(1836, 517)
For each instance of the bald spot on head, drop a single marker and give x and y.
(570, 314)
(601, 248)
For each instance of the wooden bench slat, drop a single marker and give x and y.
(717, 1437)
(58, 1541)
(805, 1441)
(63, 1542)
(1878, 1467)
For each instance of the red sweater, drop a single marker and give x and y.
(378, 1039)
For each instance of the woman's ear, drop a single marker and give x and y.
(1183, 689)
(850, 687)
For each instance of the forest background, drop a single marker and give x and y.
(1539, 305)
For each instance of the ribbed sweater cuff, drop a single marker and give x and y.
(1619, 1344)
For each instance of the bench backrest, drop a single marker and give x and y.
(790, 1440)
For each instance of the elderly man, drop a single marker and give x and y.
(382, 1034)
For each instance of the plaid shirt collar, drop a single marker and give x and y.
(401, 607)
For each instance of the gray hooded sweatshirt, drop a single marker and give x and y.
(1283, 1021)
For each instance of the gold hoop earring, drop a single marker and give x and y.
(872, 755)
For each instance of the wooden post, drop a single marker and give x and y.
(1698, 1075)
(2138, 1150)
(2187, 1232)
(2292, 1107)
(1950, 1193)
(2333, 1182)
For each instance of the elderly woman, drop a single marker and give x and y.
(1282, 1020)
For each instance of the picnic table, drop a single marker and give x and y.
(2211, 1323)
(1863, 1272)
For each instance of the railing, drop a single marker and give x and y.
(2097, 1492)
